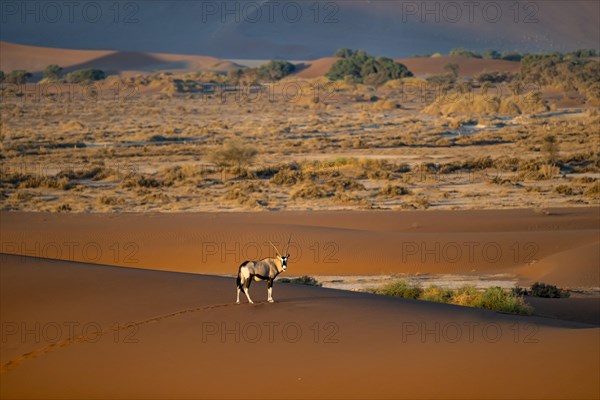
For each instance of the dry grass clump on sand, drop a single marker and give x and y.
(247, 193)
(469, 103)
(493, 298)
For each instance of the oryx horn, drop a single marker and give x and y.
(288, 246)
(276, 251)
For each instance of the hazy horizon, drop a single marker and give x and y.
(300, 30)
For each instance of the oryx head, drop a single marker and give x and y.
(283, 258)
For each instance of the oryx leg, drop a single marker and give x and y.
(270, 290)
(246, 287)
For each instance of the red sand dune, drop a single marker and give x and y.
(64, 336)
(561, 248)
(36, 59)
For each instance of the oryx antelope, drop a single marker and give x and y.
(266, 269)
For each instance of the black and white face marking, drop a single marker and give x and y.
(284, 260)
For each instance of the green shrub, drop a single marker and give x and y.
(460, 52)
(511, 56)
(276, 70)
(491, 54)
(303, 280)
(344, 53)
(465, 296)
(494, 77)
(539, 289)
(18, 77)
(496, 298)
(85, 75)
(52, 72)
(400, 288)
(361, 67)
(436, 294)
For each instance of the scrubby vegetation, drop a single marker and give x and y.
(358, 66)
(85, 75)
(272, 71)
(18, 77)
(567, 72)
(52, 73)
(539, 289)
(494, 298)
(303, 280)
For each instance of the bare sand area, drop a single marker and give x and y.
(94, 331)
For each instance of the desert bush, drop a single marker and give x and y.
(2, 76)
(65, 207)
(303, 280)
(342, 183)
(247, 193)
(550, 147)
(361, 67)
(465, 296)
(18, 77)
(468, 103)
(85, 75)
(288, 175)
(344, 53)
(436, 294)
(564, 190)
(390, 190)
(593, 191)
(496, 298)
(110, 200)
(386, 105)
(311, 190)
(490, 54)
(537, 170)
(539, 289)
(52, 72)
(233, 154)
(461, 52)
(400, 288)
(141, 181)
(422, 202)
(495, 77)
(511, 56)
(452, 68)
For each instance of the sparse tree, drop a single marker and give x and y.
(452, 68)
(52, 72)
(85, 75)
(550, 148)
(361, 67)
(18, 77)
(491, 54)
(344, 53)
(233, 154)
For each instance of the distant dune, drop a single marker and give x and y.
(65, 335)
(561, 248)
(36, 59)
